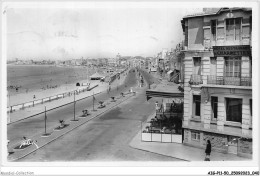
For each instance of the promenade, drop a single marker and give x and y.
(32, 110)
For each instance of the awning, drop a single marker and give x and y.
(165, 90)
(151, 93)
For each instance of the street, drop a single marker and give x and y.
(35, 125)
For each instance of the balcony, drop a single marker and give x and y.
(225, 80)
(195, 80)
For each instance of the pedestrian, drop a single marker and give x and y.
(208, 151)
(157, 108)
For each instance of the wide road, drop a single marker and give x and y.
(105, 138)
(35, 125)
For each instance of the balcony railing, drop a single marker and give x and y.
(226, 80)
(196, 79)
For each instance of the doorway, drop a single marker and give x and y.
(232, 144)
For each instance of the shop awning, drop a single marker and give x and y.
(165, 89)
(151, 93)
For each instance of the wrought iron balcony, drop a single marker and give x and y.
(196, 79)
(226, 80)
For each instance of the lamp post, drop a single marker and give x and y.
(45, 124)
(93, 101)
(74, 120)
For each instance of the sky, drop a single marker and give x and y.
(67, 33)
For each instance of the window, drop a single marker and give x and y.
(214, 107)
(237, 28)
(195, 135)
(250, 21)
(250, 67)
(213, 66)
(196, 104)
(250, 103)
(213, 29)
(234, 109)
(197, 66)
(233, 29)
(232, 67)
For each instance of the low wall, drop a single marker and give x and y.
(47, 99)
(158, 137)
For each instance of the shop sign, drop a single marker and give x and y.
(239, 50)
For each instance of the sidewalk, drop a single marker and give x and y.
(29, 111)
(180, 151)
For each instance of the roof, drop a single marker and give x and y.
(97, 75)
(169, 72)
(165, 89)
(214, 11)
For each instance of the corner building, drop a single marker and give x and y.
(218, 80)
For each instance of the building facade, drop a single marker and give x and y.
(218, 80)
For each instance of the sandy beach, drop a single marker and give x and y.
(42, 81)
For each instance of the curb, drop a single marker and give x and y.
(159, 153)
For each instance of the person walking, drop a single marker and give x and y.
(208, 151)
(157, 108)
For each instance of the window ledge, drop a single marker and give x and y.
(213, 122)
(196, 140)
(195, 119)
(233, 124)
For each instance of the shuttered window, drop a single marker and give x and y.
(197, 66)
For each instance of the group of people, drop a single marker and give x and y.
(14, 87)
(49, 87)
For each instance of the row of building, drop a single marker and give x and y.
(101, 62)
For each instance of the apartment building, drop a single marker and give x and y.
(218, 80)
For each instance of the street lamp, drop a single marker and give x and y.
(45, 121)
(74, 120)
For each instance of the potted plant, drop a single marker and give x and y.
(101, 105)
(113, 99)
(61, 126)
(61, 123)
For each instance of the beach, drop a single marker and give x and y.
(39, 81)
